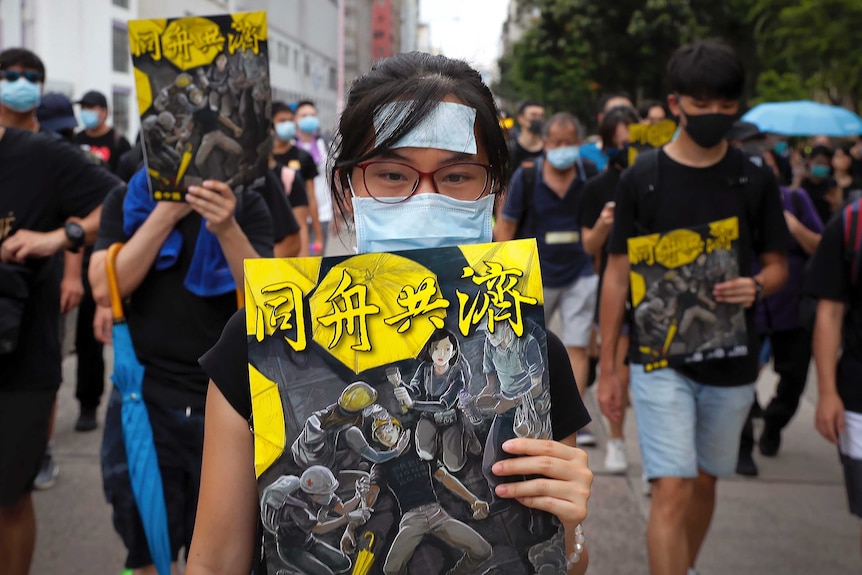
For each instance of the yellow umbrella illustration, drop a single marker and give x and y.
(375, 309)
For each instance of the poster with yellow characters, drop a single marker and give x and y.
(383, 386)
(676, 318)
(204, 99)
(644, 137)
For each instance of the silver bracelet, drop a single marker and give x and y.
(575, 557)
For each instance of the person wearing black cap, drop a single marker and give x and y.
(101, 141)
(55, 115)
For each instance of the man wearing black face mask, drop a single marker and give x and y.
(690, 417)
(531, 119)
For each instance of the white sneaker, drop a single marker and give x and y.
(586, 438)
(647, 486)
(615, 456)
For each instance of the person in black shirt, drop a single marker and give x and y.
(838, 325)
(690, 418)
(172, 321)
(295, 158)
(819, 183)
(226, 527)
(45, 182)
(596, 217)
(529, 143)
(104, 144)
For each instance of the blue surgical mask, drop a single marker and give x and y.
(821, 171)
(423, 221)
(563, 158)
(22, 95)
(309, 124)
(285, 131)
(90, 118)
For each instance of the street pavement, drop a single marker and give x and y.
(793, 519)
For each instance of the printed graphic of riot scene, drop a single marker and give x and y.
(385, 466)
(676, 319)
(204, 98)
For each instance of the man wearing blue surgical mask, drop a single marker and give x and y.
(819, 183)
(543, 203)
(308, 138)
(102, 142)
(21, 81)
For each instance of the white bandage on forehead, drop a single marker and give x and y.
(448, 127)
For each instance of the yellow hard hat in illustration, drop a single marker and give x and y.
(357, 396)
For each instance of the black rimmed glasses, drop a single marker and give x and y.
(394, 182)
(29, 75)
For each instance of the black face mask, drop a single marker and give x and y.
(536, 127)
(708, 130)
(619, 157)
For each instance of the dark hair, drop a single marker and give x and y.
(565, 119)
(706, 70)
(302, 103)
(421, 81)
(818, 151)
(614, 117)
(603, 101)
(440, 335)
(278, 107)
(526, 104)
(21, 57)
(647, 105)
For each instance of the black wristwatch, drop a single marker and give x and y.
(75, 234)
(759, 287)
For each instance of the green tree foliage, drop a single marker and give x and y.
(577, 50)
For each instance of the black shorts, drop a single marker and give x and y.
(24, 420)
(853, 483)
(179, 439)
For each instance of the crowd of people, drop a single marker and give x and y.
(66, 196)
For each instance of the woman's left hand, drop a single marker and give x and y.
(564, 486)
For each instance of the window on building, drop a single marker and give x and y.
(283, 54)
(121, 3)
(306, 69)
(120, 110)
(332, 78)
(120, 48)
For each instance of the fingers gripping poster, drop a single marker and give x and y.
(204, 98)
(383, 387)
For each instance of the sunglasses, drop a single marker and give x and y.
(29, 75)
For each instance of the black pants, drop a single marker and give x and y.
(90, 382)
(791, 354)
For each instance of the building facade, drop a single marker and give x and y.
(84, 45)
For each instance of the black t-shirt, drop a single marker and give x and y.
(300, 160)
(298, 195)
(170, 326)
(227, 366)
(829, 278)
(817, 191)
(518, 153)
(408, 477)
(283, 222)
(107, 149)
(43, 181)
(597, 192)
(685, 197)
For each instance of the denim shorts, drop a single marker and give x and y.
(684, 426)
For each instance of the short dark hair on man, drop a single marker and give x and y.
(607, 97)
(647, 105)
(705, 70)
(278, 107)
(302, 103)
(21, 57)
(526, 104)
(615, 116)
